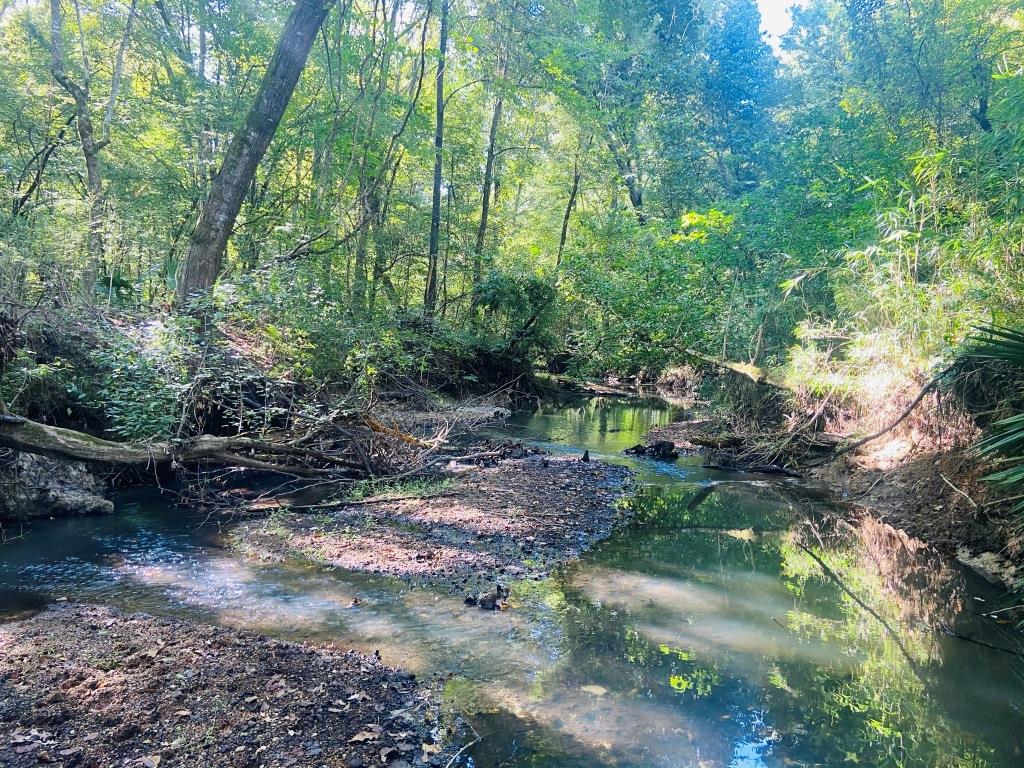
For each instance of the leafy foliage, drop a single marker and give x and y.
(1005, 441)
(846, 205)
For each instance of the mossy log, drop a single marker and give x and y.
(22, 434)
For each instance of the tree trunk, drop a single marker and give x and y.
(91, 147)
(627, 171)
(430, 292)
(577, 174)
(367, 215)
(485, 202)
(205, 255)
(94, 186)
(20, 434)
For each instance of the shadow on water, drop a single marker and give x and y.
(729, 623)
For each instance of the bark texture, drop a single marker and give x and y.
(206, 252)
(430, 292)
(21, 434)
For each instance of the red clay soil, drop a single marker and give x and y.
(89, 686)
(517, 519)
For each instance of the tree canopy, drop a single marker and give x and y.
(612, 182)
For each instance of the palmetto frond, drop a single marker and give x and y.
(1004, 444)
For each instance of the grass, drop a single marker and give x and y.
(415, 488)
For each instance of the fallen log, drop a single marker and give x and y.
(28, 436)
(750, 371)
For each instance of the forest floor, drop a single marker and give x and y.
(516, 519)
(89, 686)
(932, 495)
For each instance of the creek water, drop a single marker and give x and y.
(735, 621)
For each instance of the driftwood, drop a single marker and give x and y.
(21, 434)
(768, 453)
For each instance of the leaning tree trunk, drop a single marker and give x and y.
(577, 175)
(485, 200)
(430, 292)
(203, 262)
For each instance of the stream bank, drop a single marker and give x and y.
(93, 687)
(932, 494)
(729, 620)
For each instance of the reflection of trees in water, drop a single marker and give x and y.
(592, 419)
(882, 700)
(923, 584)
(700, 614)
(894, 593)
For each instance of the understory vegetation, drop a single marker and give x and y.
(326, 201)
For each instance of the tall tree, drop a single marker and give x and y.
(739, 89)
(92, 144)
(430, 292)
(488, 183)
(209, 241)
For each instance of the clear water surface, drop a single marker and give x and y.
(735, 621)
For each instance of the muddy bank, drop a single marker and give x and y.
(931, 495)
(89, 686)
(937, 498)
(515, 520)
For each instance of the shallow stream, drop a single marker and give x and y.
(735, 621)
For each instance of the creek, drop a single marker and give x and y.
(735, 620)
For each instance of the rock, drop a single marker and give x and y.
(491, 600)
(38, 486)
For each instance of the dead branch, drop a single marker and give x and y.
(885, 430)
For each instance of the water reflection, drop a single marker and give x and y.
(734, 622)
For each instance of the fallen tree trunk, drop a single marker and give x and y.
(750, 371)
(21, 434)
